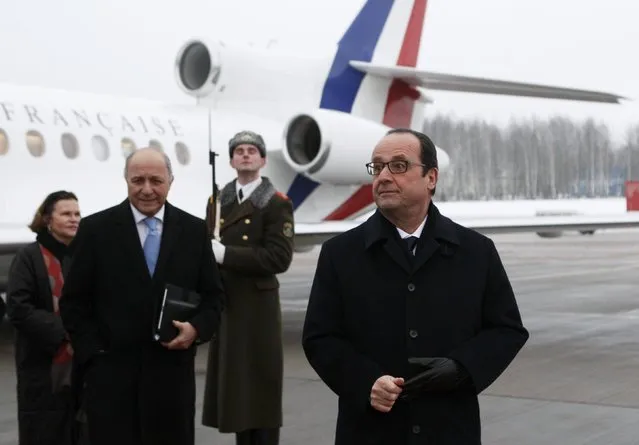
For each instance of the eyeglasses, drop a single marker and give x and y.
(395, 167)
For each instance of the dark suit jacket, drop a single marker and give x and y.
(110, 302)
(370, 309)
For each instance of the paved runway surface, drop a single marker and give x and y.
(576, 382)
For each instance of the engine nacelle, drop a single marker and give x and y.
(198, 66)
(333, 147)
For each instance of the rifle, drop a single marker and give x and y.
(214, 208)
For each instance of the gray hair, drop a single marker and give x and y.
(167, 161)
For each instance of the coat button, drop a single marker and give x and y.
(412, 333)
(411, 287)
(416, 429)
(247, 221)
(244, 237)
(221, 220)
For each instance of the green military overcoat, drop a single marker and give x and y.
(244, 374)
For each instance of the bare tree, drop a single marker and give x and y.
(532, 158)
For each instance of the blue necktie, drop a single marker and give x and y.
(151, 244)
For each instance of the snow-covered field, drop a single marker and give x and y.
(528, 208)
(524, 208)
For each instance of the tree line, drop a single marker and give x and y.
(532, 158)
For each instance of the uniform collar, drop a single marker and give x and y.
(247, 189)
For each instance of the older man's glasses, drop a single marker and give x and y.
(395, 167)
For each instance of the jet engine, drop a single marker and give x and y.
(333, 147)
(197, 67)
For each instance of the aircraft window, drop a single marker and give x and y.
(100, 148)
(35, 143)
(4, 142)
(154, 143)
(128, 146)
(70, 145)
(182, 153)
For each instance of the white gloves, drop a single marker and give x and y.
(218, 251)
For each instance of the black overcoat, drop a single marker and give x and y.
(369, 311)
(137, 391)
(45, 415)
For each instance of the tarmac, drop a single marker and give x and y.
(576, 381)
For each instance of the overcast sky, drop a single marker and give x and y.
(128, 47)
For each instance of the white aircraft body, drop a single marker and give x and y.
(320, 117)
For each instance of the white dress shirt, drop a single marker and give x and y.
(247, 189)
(417, 232)
(141, 225)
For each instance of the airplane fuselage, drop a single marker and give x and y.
(61, 140)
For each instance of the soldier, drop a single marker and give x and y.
(243, 392)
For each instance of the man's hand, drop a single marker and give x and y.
(218, 250)
(385, 392)
(185, 338)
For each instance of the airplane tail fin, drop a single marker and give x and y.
(374, 74)
(385, 32)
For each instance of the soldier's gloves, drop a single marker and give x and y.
(218, 251)
(437, 374)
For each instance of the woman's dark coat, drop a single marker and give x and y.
(44, 417)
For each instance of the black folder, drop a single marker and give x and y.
(178, 304)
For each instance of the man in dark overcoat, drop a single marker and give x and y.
(140, 391)
(243, 392)
(407, 294)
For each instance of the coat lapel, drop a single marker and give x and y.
(41, 271)
(171, 230)
(394, 249)
(425, 250)
(378, 229)
(131, 241)
(234, 212)
(439, 233)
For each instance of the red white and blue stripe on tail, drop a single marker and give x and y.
(384, 32)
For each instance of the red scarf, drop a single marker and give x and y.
(56, 280)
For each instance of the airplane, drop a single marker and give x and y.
(320, 118)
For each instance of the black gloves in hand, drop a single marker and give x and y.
(437, 374)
